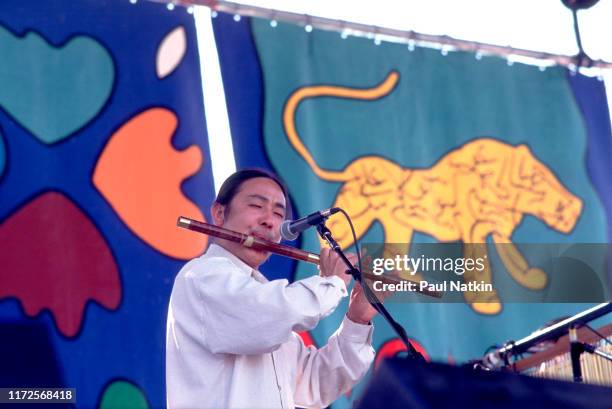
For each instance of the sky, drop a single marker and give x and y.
(543, 25)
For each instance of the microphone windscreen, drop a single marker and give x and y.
(285, 231)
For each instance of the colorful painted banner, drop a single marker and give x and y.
(102, 146)
(424, 147)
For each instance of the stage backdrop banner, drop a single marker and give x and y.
(102, 146)
(424, 146)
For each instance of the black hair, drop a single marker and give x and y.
(230, 187)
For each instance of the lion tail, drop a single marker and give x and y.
(378, 91)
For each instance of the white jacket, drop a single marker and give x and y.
(230, 340)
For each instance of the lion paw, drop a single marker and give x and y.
(532, 278)
(486, 303)
(486, 308)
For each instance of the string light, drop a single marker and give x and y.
(170, 6)
(214, 14)
(237, 17)
(190, 9)
(308, 28)
(273, 23)
(478, 55)
(133, 1)
(411, 45)
(377, 40)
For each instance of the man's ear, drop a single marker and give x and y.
(217, 211)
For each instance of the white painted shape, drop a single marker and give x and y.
(170, 52)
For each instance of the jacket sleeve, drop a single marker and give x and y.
(228, 311)
(325, 374)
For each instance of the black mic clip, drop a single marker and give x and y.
(290, 229)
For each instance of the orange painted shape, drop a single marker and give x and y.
(140, 174)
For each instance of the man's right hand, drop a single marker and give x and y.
(332, 265)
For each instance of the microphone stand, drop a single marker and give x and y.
(577, 348)
(326, 234)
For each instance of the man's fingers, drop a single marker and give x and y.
(324, 254)
(353, 259)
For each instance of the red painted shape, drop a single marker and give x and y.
(393, 347)
(53, 257)
(307, 338)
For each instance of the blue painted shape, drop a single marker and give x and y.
(2, 155)
(592, 101)
(244, 94)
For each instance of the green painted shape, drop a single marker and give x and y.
(53, 91)
(123, 395)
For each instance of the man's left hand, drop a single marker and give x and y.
(360, 311)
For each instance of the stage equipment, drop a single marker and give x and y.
(560, 348)
(403, 384)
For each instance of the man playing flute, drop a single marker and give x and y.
(231, 337)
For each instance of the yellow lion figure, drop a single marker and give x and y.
(482, 188)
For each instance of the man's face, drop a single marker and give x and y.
(257, 209)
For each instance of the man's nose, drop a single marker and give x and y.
(267, 218)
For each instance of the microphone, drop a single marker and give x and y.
(290, 229)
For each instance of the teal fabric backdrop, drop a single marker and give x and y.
(439, 103)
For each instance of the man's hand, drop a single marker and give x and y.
(332, 265)
(360, 310)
